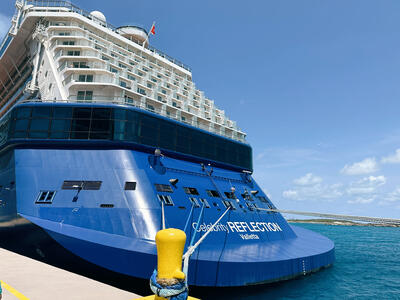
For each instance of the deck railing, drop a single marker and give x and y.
(73, 8)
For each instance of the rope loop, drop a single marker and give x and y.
(177, 291)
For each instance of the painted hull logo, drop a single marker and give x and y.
(243, 228)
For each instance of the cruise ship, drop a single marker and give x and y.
(104, 138)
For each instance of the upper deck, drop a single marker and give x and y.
(75, 56)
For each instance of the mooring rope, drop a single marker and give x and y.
(188, 218)
(191, 249)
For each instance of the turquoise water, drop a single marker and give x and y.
(367, 267)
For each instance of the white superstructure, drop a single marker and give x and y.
(78, 56)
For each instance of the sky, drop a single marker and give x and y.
(314, 84)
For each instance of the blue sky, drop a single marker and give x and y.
(314, 84)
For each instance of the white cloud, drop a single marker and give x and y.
(393, 196)
(4, 25)
(365, 190)
(314, 192)
(291, 194)
(392, 159)
(362, 200)
(308, 179)
(366, 166)
(367, 185)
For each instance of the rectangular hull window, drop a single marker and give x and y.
(204, 202)
(191, 191)
(228, 204)
(81, 185)
(230, 195)
(45, 197)
(130, 186)
(213, 193)
(194, 202)
(166, 199)
(163, 188)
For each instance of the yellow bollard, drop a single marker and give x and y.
(170, 245)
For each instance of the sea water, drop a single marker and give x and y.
(367, 266)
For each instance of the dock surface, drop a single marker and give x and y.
(25, 278)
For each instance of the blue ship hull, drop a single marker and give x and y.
(115, 228)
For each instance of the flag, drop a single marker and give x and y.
(153, 29)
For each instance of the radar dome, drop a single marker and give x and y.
(98, 15)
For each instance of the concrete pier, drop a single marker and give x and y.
(25, 278)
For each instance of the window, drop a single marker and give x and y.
(140, 73)
(45, 197)
(213, 193)
(130, 186)
(141, 91)
(80, 64)
(129, 126)
(164, 92)
(159, 98)
(85, 78)
(149, 85)
(163, 187)
(246, 196)
(129, 100)
(73, 53)
(191, 191)
(131, 77)
(194, 202)
(204, 202)
(230, 195)
(228, 204)
(85, 95)
(113, 70)
(251, 206)
(81, 185)
(68, 43)
(123, 84)
(166, 199)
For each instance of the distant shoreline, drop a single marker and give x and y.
(340, 223)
